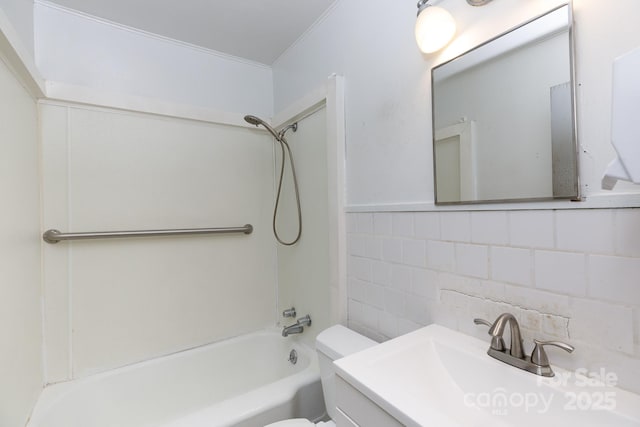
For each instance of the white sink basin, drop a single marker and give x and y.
(440, 377)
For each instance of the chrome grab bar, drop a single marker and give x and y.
(54, 236)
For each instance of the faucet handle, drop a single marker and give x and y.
(482, 322)
(304, 321)
(289, 312)
(539, 356)
(497, 342)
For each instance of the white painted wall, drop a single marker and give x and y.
(373, 46)
(20, 287)
(303, 269)
(111, 303)
(20, 13)
(79, 51)
(388, 85)
(553, 268)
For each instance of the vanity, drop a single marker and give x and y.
(436, 376)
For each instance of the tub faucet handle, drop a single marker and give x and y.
(289, 312)
(304, 321)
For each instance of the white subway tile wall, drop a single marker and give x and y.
(570, 275)
(626, 232)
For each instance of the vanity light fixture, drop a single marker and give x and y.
(478, 2)
(435, 27)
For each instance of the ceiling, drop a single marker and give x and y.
(259, 30)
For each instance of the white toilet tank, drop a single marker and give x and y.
(332, 344)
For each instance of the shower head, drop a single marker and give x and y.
(253, 120)
(256, 121)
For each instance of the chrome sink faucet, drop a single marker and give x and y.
(537, 363)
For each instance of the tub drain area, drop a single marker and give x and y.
(293, 357)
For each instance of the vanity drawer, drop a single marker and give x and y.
(358, 410)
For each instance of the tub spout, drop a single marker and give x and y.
(293, 329)
(298, 327)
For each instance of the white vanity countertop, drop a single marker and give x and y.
(440, 377)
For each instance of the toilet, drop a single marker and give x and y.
(331, 344)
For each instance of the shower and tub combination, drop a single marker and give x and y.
(247, 381)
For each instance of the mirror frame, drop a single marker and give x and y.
(576, 196)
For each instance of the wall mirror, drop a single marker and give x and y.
(504, 117)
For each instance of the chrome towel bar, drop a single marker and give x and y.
(54, 236)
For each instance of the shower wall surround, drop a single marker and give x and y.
(303, 269)
(20, 287)
(110, 303)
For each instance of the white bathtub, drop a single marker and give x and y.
(244, 381)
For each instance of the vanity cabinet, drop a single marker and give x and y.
(356, 410)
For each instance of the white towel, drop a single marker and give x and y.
(625, 121)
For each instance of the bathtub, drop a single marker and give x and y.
(244, 381)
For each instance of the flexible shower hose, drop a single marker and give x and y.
(283, 144)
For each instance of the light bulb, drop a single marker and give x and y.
(435, 27)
